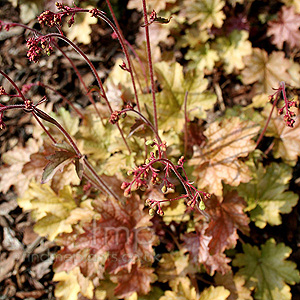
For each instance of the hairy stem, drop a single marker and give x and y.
(268, 121)
(94, 71)
(150, 64)
(145, 120)
(116, 28)
(185, 124)
(80, 79)
(62, 96)
(89, 167)
(14, 85)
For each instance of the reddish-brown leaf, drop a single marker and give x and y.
(218, 160)
(138, 280)
(197, 246)
(122, 232)
(226, 217)
(286, 28)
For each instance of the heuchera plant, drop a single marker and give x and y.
(158, 168)
(45, 43)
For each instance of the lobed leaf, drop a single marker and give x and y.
(267, 270)
(170, 102)
(266, 194)
(266, 70)
(233, 48)
(235, 284)
(197, 244)
(286, 139)
(226, 217)
(119, 242)
(285, 28)
(11, 173)
(184, 291)
(217, 161)
(206, 12)
(137, 280)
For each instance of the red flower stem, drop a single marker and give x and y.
(62, 96)
(185, 123)
(20, 25)
(82, 54)
(173, 168)
(150, 64)
(94, 71)
(13, 106)
(36, 112)
(39, 113)
(93, 182)
(14, 85)
(141, 64)
(145, 120)
(99, 180)
(116, 28)
(282, 86)
(51, 120)
(267, 122)
(81, 80)
(44, 128)
(73, 66)
(173, 199)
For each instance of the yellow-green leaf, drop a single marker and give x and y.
(202, 57)
(286, 139)
(170, 102)
(50, 210)
(266, 194)
(206, 12)
(266, 70)
(233, 48)
(267, 270)
(214, 293)
(218, 161)
(175, 211)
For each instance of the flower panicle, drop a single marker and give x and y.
(146, 173)
(49, 18)
(289, 115)
(36, 46)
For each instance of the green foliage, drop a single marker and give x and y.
(170, 101)
(207, 12)
(267, 271)
(266, 194)
(232, 49)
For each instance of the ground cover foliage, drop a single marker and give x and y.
(182, 186)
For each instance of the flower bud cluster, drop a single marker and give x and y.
(124, 67)
(48, 18)
(95, 12)
(195, 199)
(154, 207)
(34, 51)
(115, 117)
(141, 177)
(288, 117)
(146, 173)
(5, 26)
